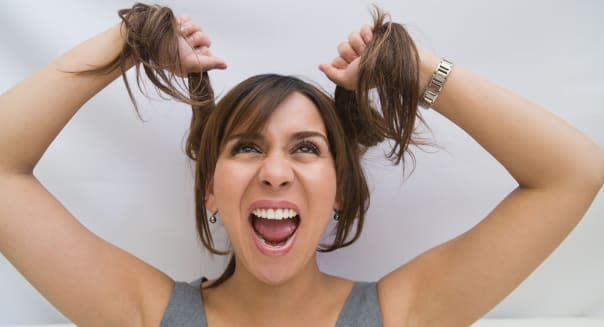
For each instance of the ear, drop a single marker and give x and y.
(210, 200)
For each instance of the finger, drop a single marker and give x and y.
(357, 43)
(189, 28)
(200, 63)
(367, 33)
(346, 52)
(339, 63)
(182, 19)
(198, 39)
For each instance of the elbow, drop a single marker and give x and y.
(585, 173)
(593, 170)
(600, 168)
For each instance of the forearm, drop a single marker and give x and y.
(536, 147)
(33, 112)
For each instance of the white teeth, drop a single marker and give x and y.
(275, 213)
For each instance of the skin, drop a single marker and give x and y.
(558, 171)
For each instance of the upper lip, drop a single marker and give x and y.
(275, 204)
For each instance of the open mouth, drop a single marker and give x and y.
(274, 226)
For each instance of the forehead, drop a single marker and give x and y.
(295, 113)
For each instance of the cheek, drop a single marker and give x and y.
(230, 183)
(321, 186)
(323, 177)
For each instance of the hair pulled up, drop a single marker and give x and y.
(151, 42)
(389, 65)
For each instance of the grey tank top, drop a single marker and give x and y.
(185, 308)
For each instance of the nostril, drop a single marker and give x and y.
(282, 184)
(275, 174)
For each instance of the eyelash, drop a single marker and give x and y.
(239, 146)
(308, 144)
(248, 147)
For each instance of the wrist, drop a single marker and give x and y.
(428, 63)
(430, 90)
(96, 52)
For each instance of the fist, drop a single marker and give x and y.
(344, 70)
(194, 49)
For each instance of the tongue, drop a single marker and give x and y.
(274, 231)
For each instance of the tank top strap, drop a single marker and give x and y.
(362, 307)
(185, 308)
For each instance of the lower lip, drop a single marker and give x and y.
(274, 251)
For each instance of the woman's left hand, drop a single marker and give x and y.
(344, 70)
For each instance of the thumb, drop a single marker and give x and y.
(211, 62)
(333, 73)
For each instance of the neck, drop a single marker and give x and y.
(258, 300)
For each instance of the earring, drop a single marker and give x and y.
(213, 217)
(336, 215)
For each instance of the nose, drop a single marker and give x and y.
(276, 172)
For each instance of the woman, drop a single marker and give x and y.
(289, 165)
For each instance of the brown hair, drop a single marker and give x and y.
(389, 64)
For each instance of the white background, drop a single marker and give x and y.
(130, 182)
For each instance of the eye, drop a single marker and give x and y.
(244, 147)
(307, 147)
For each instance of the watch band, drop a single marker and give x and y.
(436, 83)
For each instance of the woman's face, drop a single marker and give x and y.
(275, 191)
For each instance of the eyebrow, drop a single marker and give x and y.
(295, 136)
(307, 134)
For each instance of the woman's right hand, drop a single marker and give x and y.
(194, 49)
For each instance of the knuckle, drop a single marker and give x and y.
(345, 47)
(187, 28)
(203, 39)
(340, 63)
(195, 37)
(366, 32)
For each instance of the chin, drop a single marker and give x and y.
(275, 274)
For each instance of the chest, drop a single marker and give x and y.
(321, 313)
